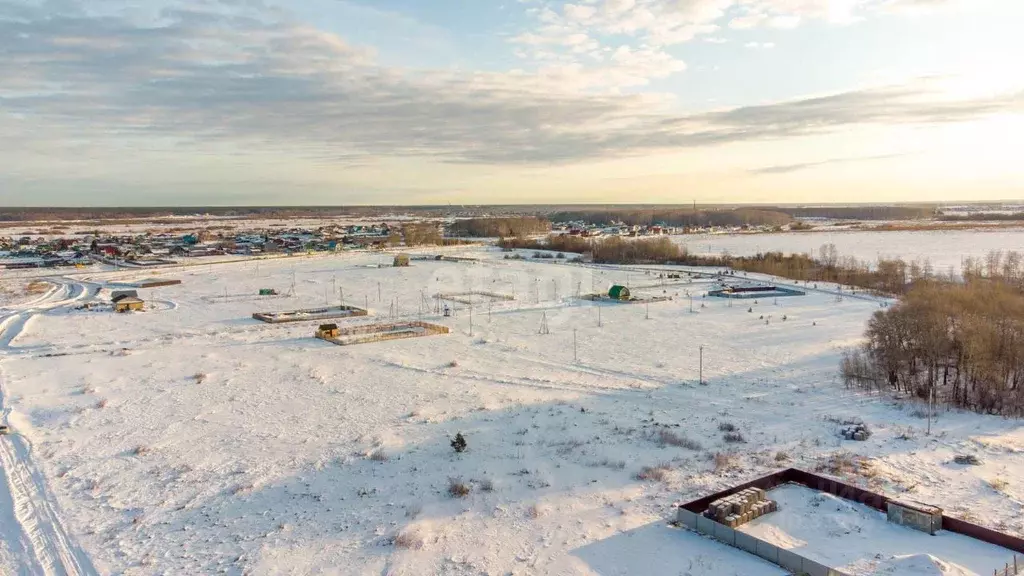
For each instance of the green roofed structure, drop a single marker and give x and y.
(619, 293)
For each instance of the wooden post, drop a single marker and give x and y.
(701, 373)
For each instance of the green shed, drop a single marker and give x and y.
(619, 293)
(268, 292)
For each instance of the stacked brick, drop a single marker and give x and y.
(742, 507)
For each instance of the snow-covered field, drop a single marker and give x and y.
(945, 249)
(191, 439)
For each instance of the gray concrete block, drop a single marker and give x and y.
(790, 561)
(768, 551)
(812, 568)
(706, 526)
(746, 542)
(725, 534)
(687, 518)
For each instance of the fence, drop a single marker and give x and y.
(467, 297)
(369, 333)
(327, 313)
(779, 556)
(690, 515)
(1015, 569)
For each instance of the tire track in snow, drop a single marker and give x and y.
(31, 527)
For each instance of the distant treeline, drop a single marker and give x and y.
(888, 276)
(518, 227)
(859, 212)
(676, 217)
(959, 343)
(983, 217)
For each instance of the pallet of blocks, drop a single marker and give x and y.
(742, 507)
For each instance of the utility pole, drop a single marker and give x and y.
(575, 358)
(701, 373)
(647, 312)
(598, 314)
(378, 291)
(691, 303)
(471, 318)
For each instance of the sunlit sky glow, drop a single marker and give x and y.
(222, 102)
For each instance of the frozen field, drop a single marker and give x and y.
(192, 439)
(945, 249)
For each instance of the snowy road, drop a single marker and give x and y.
(33, 541)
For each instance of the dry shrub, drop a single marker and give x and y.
(844, 464)
(410, 537)
(141, 450)
(101, 404)
(487, 485)
(413, 510)
(726, 427)
(667, 437)
(657, 473)
(608, 463)
(734, 438)
(453, 364)
(378, 455)
(457, 488)
(724, 461)
(37, 287)
(200, 377)
(781, 456)
(242, 489)
(536, 511)
(998, 484)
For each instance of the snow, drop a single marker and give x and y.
(945, 249)
(297, 456)
(859, 540)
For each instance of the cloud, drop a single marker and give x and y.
(239, 78)
(789, 168)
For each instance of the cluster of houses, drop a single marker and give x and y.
(591, 230)
(161, 248)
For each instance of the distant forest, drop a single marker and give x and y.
(517, 227)
(678, 215)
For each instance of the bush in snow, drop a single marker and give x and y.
(457, 488)
(667, 437)
(459, 443)
(657, 473)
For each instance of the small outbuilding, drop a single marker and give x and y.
(618, 292)
(129, 304)
(401, 260)
(268, 292)
(327, 331)
(118, 294)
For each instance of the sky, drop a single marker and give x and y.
(333, 102)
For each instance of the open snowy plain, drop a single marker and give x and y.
(192, 439)
(945, 250)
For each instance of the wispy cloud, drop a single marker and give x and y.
(789, 168)
(241, 76)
